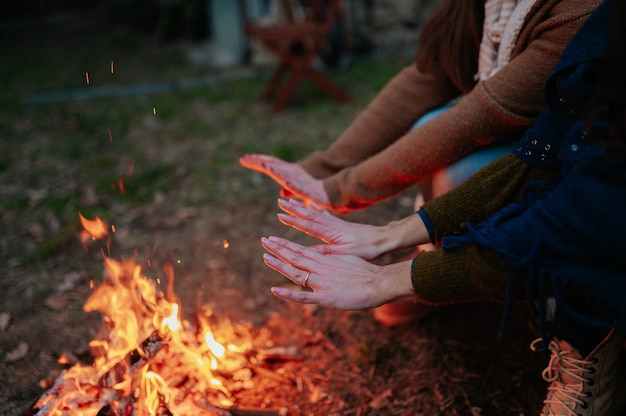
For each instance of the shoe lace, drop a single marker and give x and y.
(565, 372)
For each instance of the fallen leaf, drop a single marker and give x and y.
(380, 400)
(37, 231)
(70, 280)
(187, 213)
(5, 317)
(37, 195)
(17, 353)
(315, 395)
(56, 302)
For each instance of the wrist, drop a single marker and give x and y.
(407, 232)
(398, 284)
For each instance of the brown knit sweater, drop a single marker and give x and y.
(375, 158)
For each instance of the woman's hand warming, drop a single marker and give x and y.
(294, 180)
(338, 281)
(341, 237)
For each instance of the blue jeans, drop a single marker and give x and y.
(457, 172)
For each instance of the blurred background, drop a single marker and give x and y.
(366, 26)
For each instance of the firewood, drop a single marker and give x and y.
(125, 369)
(254, 412)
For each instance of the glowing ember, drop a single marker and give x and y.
(147, 360)
(92, 230)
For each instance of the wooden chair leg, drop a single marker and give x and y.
(287, 91)
(300, 66)
(327, 85)
(274, 82)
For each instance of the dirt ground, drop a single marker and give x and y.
(339, 363)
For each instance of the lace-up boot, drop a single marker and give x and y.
(589, 386)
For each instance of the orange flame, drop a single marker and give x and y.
(96, 229)
(146, 356)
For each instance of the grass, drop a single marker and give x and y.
(185, 137)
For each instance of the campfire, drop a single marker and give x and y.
(147, 360)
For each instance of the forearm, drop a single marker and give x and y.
(453, 134)
(390, 115)
(407, 232)
(395, 284)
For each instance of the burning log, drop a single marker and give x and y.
(146, 359)
(165, 370)
(108, 385)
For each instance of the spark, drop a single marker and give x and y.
(226, 244)
(112, 67)
(87, 77)
(154, 110)
(63, 359)
(121, 186)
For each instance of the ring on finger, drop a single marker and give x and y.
(306, 279)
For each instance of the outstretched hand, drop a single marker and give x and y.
(338, 281)
(294, 180)
(341, 237)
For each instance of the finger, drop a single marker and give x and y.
(309, 190)
(297, 276)
(295, 295)
(318, 257)
(297, 208)
(297, 223)
(261, 163)
(250, 165)
(278, 170)
(301, 212)
(320, 231)
(317, 207)
(250, 160)
(292, 253)
(295, 255)
(258, 158)
(255, 164)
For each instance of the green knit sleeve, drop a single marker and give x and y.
(467, 274)
(498, 184)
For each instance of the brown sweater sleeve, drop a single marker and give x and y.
(407, 97)
(501, 107)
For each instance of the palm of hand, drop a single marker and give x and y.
(342, 237)
(291, 176)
